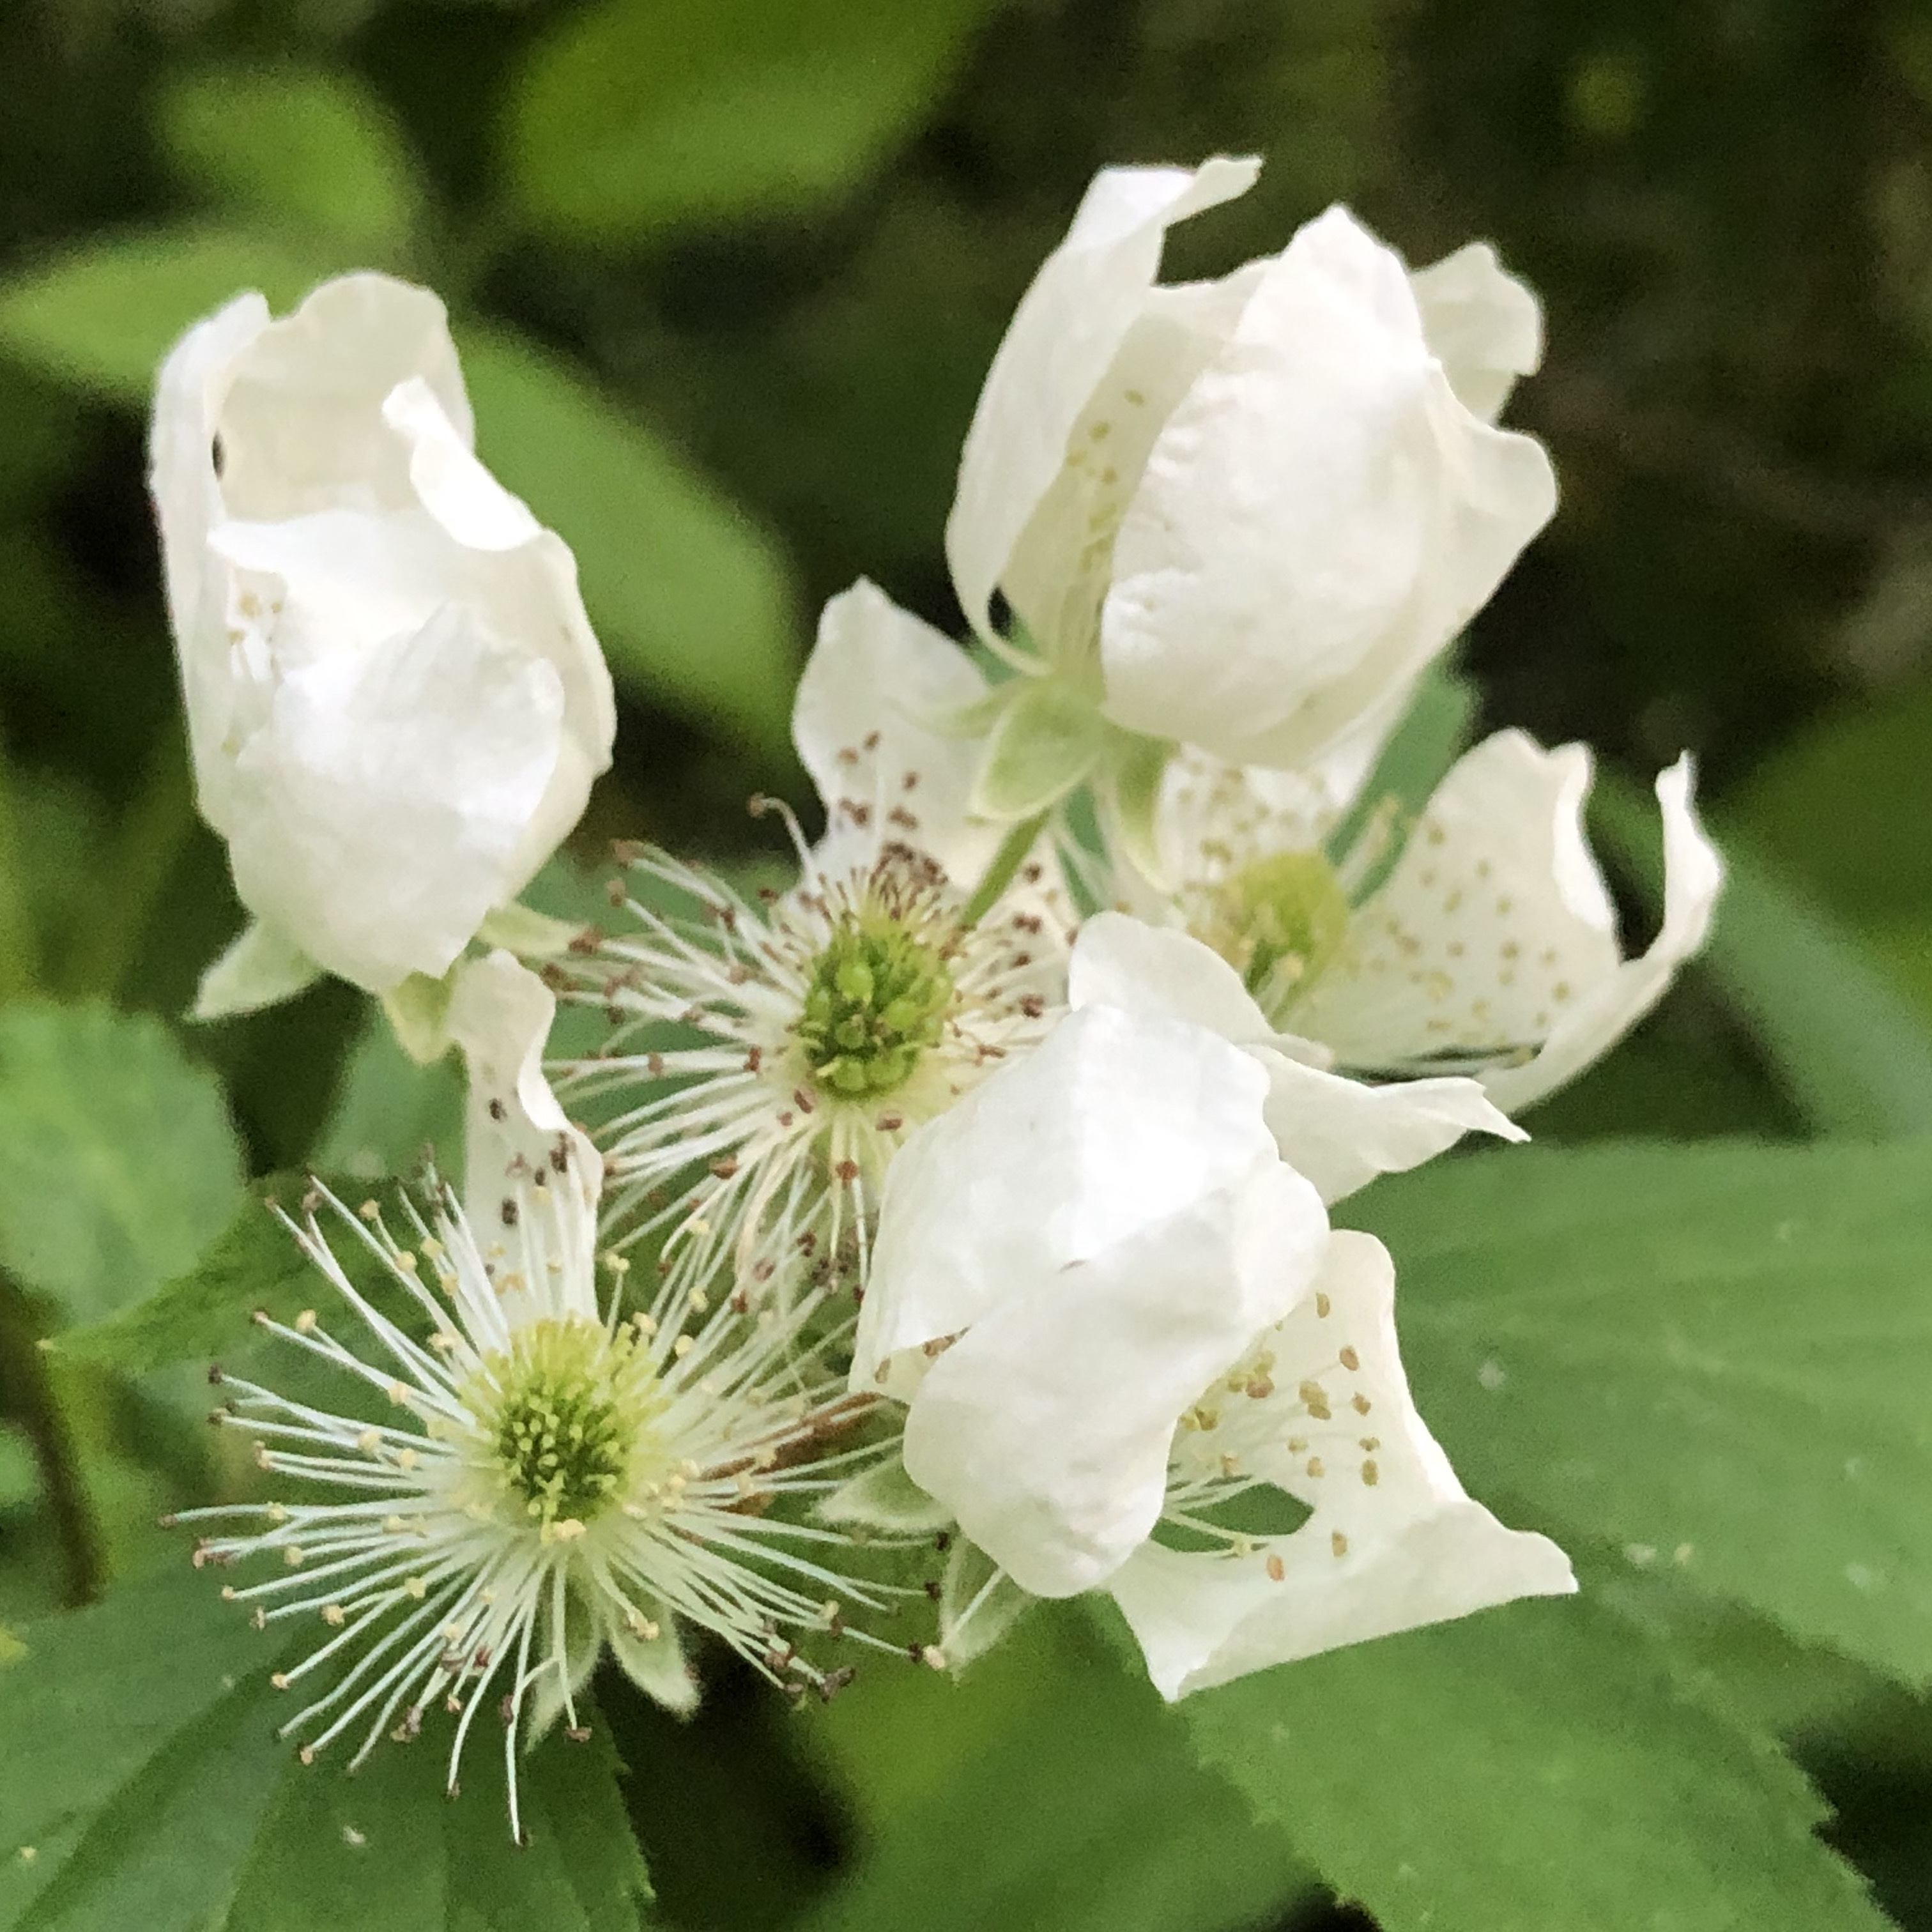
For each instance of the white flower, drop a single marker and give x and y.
(1489, 946)
(833, 1019)
(531, 1479)
(1245, 514)
(395, 704)
(1119, 1318)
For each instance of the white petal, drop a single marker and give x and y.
(1112, 1124)
(528, 1169)
(1484, 326)
(1062, 562)
(1341, 1133)
(188, 399)
(1069, 327)
(1494, 923)
(1125, 963)
(449, 482)
(876, 695)
(302, 425)
(1047, 1425)
(261, 968)
(1594, 1023)
(1374, 1557)
(383, 804)
(1318, 518)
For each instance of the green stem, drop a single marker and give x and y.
(1018, 841)
(31, 1398)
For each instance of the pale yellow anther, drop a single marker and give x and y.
(305, 1322)
(406, 1459)
(279, 1679)
(416, 1587)
(294, 1556)
(398, 1392)
(682, 1346)
(332, 1614)
(700, 1300)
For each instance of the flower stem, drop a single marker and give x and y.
(28, 1394)
(1018, 841)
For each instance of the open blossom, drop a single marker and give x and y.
(1130, 1344)
(833, 1019)
(1489, 946)
(395, 704)
(1246, 513)
(531, 1477)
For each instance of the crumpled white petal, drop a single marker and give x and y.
(1069, 327)
(1339, 1133)
(1112, 1124)
(1484, 326)
(1393, 1540)
(396, 703)
(1495, 933)
(533, 1179)
(1062, 1259)
(1602, 1013)
(1319, 515)
(870, 722)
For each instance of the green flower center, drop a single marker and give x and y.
(565, 1413)
(877, 999)
(1278, 922)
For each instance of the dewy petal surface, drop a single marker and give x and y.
(1603, 1012)
(1484, 326)
(1066, 331)
(1111, 1125)
(1318, 516)
(871, 723)
(1047, 1425)
(1392, 1541)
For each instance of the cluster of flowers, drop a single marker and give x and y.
(982, 1180)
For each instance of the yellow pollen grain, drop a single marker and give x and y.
(1371, 1474)
(1316, 1467)
(1338, 1543)
(1322, 1304)
(1277, 1569)
(1350, 1360)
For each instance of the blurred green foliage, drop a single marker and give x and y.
(726, 274)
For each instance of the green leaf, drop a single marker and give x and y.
(1048, 736)
(203, 1312)
(1527, 1768)
(1052, 1788)
(390, 1108)
(1715, 1357)
(641, 116)
(693, 600)
(302, 146)
(103, 315)
(118, 1164)
(139, 1760)
(152, 1792)
(1849, 1047)
(425, 1863)
(1831, 807)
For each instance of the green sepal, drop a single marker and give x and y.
(1049, 736)
(418, 1009)
(262, 968)
(1131, 774)
(530, 934)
